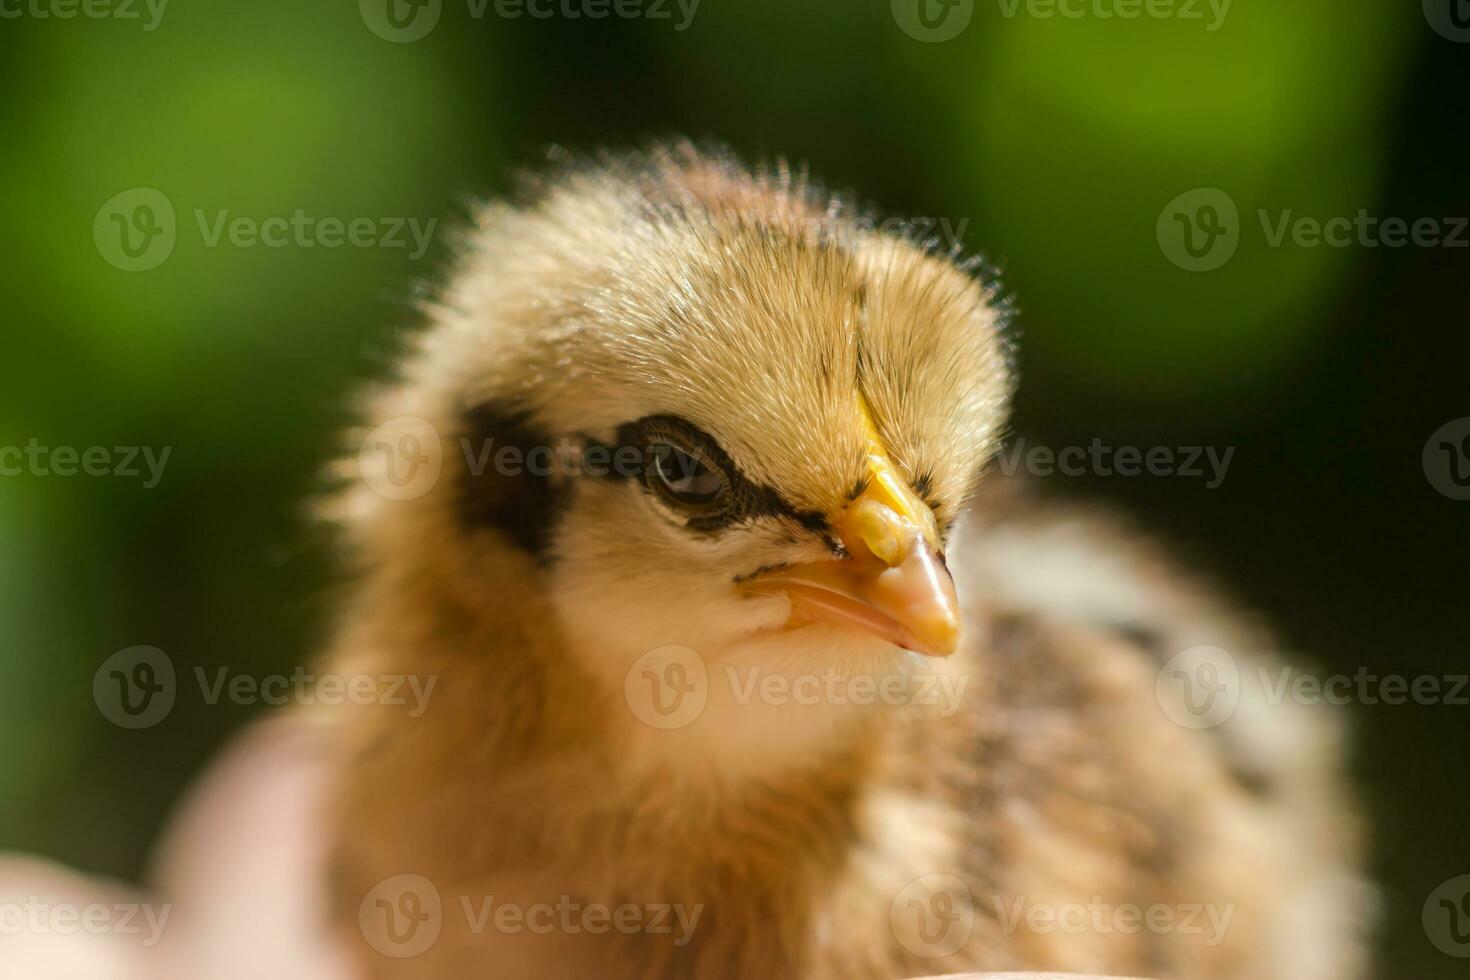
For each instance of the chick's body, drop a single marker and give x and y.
(638, 762)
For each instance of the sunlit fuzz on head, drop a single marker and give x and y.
(722, 363)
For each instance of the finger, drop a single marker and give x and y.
(245, 864)
(58, 925)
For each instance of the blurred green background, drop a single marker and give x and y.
(1056, 143)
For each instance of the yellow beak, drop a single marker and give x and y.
(893, 583)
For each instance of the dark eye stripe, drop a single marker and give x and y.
(747, 499)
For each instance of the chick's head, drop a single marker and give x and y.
(696, 406)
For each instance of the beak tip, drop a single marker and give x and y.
(892, 583)
(940, 641)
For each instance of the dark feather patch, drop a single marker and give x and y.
(502, 486)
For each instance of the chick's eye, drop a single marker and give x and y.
(684, 478)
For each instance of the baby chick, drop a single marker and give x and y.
(747, 666)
